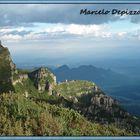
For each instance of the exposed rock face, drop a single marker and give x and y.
(43, 80)
(104, 109)
(20, 79)
(104, 101)
(7, 70)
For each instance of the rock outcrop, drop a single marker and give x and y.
(43, 80)
(20, 79)
(105, 110)
(7, 70)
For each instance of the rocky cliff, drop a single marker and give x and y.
(7, 70)
(105, 110)
(43, 80)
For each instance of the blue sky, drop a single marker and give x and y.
(58, 34)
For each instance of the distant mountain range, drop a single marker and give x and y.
(102, 77)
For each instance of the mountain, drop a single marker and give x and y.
(39, 105)
(100, 76)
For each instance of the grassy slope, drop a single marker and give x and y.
(74, 88)
(23, 116)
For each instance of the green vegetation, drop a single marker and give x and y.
(5, 71)
(26, 86)
(23, 116)
(50, 79)
(74, 88)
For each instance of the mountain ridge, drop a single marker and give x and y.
(103, 77)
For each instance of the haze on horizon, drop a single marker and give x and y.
(42, 35)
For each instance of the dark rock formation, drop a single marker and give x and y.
(43, 80)
(105, 110)
(7, 70)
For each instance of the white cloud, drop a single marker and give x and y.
(82, 30)
(11, 37)
(7, 30)
(122, 34)
(65, 31)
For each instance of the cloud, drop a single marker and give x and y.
(56, 31)
(12, 15)
(66, 32)
(11, 37)
(75, 29)
(14, 31)
(13, 34)
(6, 30)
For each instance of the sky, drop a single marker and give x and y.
(51, 34)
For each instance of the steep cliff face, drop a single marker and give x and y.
(106, 110)
(43, 80)
(7, 70)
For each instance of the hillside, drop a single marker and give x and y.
(35, 104)
(21, 116)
